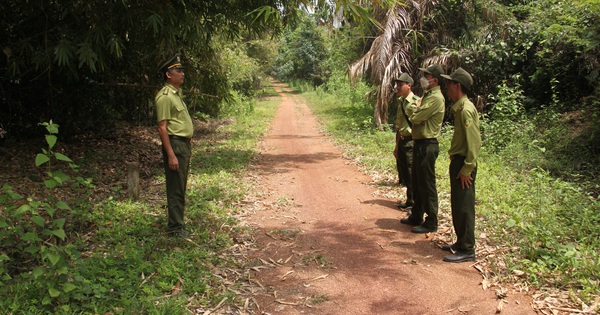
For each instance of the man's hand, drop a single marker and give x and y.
(173, 163)
(465, 180)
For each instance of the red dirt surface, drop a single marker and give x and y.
(326, 245)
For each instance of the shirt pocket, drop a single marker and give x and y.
(179, 106)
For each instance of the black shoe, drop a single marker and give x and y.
(408, 221)
(459, 257)
(405, 205)
(423, 229)
(450, 248)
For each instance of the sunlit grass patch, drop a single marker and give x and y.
(318, 299)
(285, 234)
(316, 259)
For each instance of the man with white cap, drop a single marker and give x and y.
(426, 128)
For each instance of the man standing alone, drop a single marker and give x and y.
(426, 127)
(176, 130)
(404, 146)
(464, 149)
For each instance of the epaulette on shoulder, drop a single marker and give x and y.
(165, 91)
(415, 97)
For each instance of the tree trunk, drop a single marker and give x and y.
(381, 112)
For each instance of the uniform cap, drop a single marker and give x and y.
(404, 77)
(173, 63)
(461, 76)
(434, 70)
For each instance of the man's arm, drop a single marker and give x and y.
(166, 142)
(429, 107)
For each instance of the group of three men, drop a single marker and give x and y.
(418, 124)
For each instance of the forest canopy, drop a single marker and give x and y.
(89, 64)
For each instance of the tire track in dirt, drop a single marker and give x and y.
(326, 245)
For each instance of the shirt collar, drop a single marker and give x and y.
(172, 88)
(459, 104)
(433, 89)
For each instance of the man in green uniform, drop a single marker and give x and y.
(426, 127)
(176, 130)
(407, 104)
(464, 149)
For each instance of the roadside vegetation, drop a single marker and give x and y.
(73, 244)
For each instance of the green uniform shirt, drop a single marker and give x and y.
(427, 119)
(409, 104)
(466, 140)
(170, 106)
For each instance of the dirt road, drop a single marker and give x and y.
(326, 245)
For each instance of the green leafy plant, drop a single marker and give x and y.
(55, 177)
(33, 234)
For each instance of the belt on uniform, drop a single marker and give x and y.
(179, 138)
(457, 156)
(428, 140)
(406, 138)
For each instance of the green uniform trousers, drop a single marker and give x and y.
(404, 164)
(425, 153)
(462, 202)
(177, 183)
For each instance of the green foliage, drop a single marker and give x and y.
(238, 104)
(567, 45)
(243, 72)
(506, 121)
(33, 233)
(549, 221)
(551, 45)
(91, 63)
(343, 49)
(302, 53)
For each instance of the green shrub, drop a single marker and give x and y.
(33, 235)
(506, 120)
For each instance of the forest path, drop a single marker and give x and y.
(326, 245)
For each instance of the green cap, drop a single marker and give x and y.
(435, 70)
(461, 76)
(173, 63)
(404, 77)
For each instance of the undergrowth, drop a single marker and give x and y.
(80, 256)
